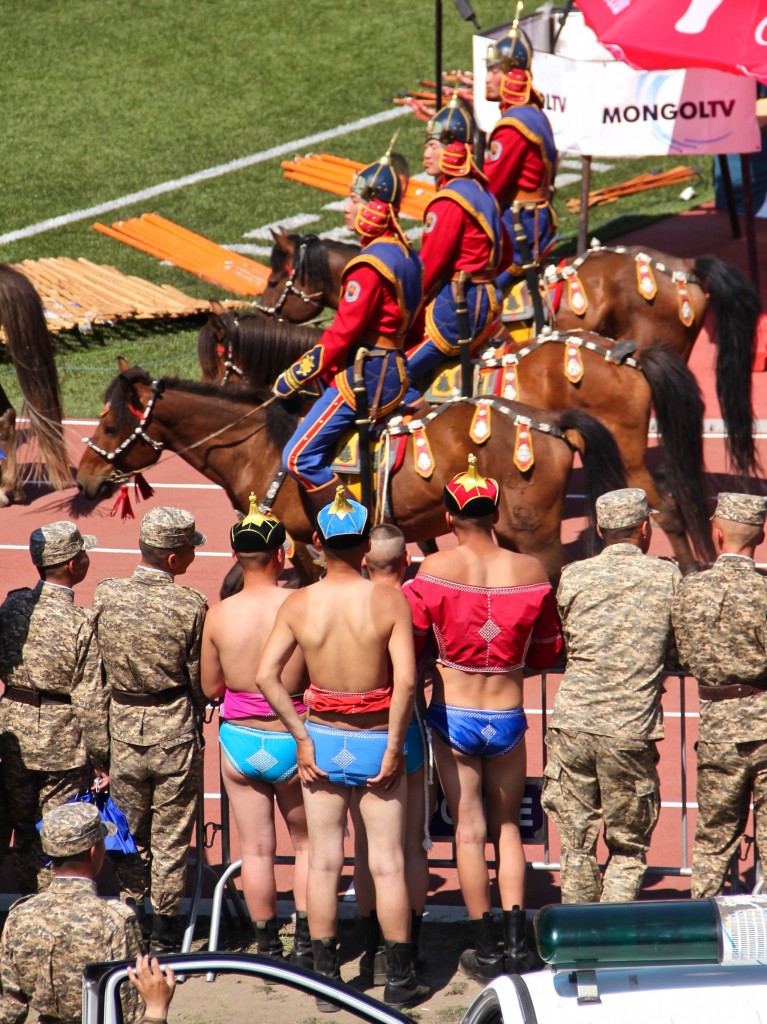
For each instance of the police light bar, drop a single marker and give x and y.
(722, 930)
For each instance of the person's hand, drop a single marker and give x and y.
(155, 987)
(100, 780)
(281, 387)
(308, 769)
(391, 769)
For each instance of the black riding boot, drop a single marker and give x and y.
(325, 953)
(402, 988)
(268, 938)
(373, 959)
(484, 962)
(302, 943)
(419, 960)
(517, 956)
(165, 936)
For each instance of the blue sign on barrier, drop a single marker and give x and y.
(531, 816)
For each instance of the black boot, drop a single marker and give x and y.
(419, 961)
(165, 936)
(517, 956)
(325, 952)
(141, 918)
(402, 988)
(484, 962)
(373, 959)
(302, 943)
(268, 938)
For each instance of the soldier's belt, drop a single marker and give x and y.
(389, 342)
(148, 700)
(478, 276)
(523, 198)
(35, 698)
(731, 692)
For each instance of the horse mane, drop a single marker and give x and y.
(281, 419)
(31, 350)
(314, 265)
(264, 348)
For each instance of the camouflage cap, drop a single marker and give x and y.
(166, 527)
(73, 828)
(742, 508)
(618, 510)
(56, 543)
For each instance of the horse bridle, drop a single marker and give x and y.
(230, 367)
(291, 289)
(139, 432)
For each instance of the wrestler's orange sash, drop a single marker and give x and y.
(317, 699)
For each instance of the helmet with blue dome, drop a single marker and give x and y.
(380, 186)
(453, 127)
(513, 56)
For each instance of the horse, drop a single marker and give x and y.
(616, 308)
(235, 437)
(620, 394)
(305, 276)
(29, 346)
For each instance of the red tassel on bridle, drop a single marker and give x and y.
(142, 489)
(123, 505)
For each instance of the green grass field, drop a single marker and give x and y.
(102, 100)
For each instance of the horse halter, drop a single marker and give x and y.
(291, 289)
(139, 432)
(230, 367)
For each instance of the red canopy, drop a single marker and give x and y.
(728, 35)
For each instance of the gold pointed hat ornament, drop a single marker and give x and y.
(256, 532)
(470, 494)
(344, 523)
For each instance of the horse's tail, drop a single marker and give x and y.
(736, 307)
(603, 467)
(679, 412)
(29, 346)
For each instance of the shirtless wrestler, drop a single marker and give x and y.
(386, 562)
(357, 639)
(258, 765)
(491, 612)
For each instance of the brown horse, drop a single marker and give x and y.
(235, 438)
(619, 394)
(617, 309)
(305, 276)
(29, 345)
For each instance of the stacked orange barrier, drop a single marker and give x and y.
(184, 249)
(334, 174)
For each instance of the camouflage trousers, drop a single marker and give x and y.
(30, 794)
(157, 788)
(590, 780)
(728, 775)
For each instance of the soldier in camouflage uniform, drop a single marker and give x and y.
(149, 632)
(53, 732)
(720, 621)
(49, 938)
(616, 619)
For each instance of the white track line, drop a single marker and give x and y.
(285, 149)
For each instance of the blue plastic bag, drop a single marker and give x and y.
(122, 841)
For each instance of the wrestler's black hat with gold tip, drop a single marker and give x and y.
(344, 523)
(469, 494)
(256, 532)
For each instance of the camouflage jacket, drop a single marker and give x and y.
(616, 620)
(720, 620)
(149, 632)
(47, 644)
(47, 941)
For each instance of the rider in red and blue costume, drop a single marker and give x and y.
(463, 237)
(381, 298)
(522, 156)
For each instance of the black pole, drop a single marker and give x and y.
(438, 52)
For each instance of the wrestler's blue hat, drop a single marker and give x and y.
(344, 523)
(256, 532)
